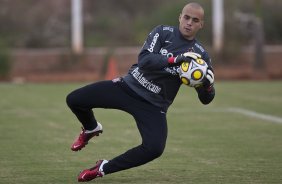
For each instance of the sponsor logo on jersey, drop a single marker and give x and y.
(168, 29)
(200, 47)
(171, 70)
(191, 49)
(153, 43)
(165, 52)
(149, 85)
(167, 41)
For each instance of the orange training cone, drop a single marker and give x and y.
(112, 71)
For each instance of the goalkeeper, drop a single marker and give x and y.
(146, 92)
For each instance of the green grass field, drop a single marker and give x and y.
(206, 144)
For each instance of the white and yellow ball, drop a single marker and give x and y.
(192, 73)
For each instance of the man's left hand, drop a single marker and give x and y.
(209, 78)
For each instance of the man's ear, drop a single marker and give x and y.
(179, 19)
(202, 24)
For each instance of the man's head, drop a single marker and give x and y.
(191, 20)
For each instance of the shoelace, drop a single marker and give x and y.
(81, 136)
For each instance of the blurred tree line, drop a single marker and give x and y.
(46, 24)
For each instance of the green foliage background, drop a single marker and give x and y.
(44, 24)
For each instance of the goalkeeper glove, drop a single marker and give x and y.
(209, 79)
(185, 57)
(192, 55)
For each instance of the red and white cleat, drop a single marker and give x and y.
(92, 173)
(85, 136)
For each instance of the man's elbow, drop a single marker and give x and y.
(143, 61)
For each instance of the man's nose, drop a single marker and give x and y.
(189, 21)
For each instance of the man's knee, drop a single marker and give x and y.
(71, 100)
(155, 150)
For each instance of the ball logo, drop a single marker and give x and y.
(184, 80)
(197, 74)
(200, 61)
(185, 66)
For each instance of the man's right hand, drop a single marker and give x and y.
(185, 57)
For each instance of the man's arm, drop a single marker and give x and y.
(206, 95)
(150, 57)
(206, 92)
(152, 61)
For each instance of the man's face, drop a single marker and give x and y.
(191, 21)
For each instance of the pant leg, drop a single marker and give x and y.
(152, 126)
(104, 94)
(150, 121)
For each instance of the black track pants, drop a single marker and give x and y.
(150, 120)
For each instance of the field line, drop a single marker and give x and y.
(267, 117)
(249, 113)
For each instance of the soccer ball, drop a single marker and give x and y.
(192, 73)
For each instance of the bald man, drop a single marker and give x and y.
(146, 93)
(191, 20)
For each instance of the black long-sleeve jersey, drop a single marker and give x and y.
(153, 78)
